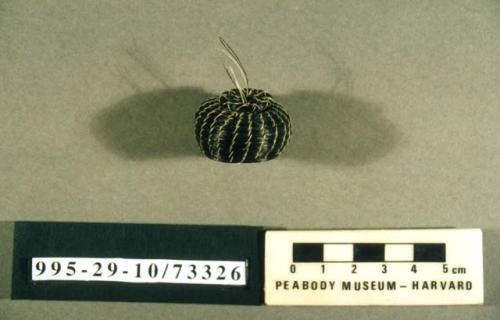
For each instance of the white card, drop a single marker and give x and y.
(207, 272)
(374, 267)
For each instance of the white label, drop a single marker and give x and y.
(140, 270)
(399, 252)
(338, 252)
(374, 267)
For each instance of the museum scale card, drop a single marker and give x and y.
(374, 267)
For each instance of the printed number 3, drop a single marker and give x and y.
(207, 274)
(192, 272)
(384, 268)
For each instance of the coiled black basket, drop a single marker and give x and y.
(229, 129)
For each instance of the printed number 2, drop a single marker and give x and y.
(221, 275)
(354, 267)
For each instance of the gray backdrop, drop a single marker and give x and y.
(394, 105)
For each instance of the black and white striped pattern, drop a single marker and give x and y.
(229, 130)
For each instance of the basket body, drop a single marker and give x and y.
(229, 130)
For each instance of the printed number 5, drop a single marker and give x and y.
(71, 268)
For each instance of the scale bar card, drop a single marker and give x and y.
(374, 267)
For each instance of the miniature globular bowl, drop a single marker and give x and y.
(229, 130)
(241, 125)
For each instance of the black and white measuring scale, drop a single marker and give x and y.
(374, 267)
